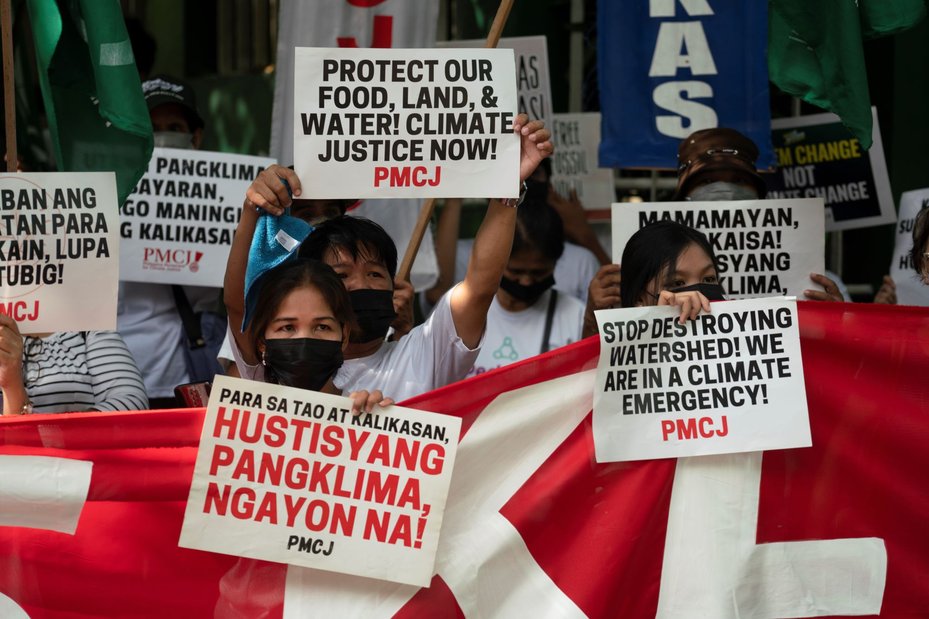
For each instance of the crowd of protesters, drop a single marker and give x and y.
(331, 315)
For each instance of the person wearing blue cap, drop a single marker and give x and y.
(436, 353)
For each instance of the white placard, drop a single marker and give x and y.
(729, 381)
(817, 156)
(59, 257)
(910, 288)
(574, 164)
(764, 247)
(291, 476)
(177, 225)
(533, 80)
(402, 123)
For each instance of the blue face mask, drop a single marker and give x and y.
(721, 191)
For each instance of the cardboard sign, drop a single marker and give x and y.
(178, 223)
(533, 80)
(818, 157)
(574, 164)
(729, 381)
(910, 288)
(401, 123)
(59, 251)
(763, 247)
(291, 476)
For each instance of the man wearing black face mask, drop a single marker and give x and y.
(433, 354)
(528, 316)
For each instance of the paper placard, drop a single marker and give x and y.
(910, 288)
(59, 250)
(405, 123)
(574, 163)
(291, 476)
(178, 223)
(727, 382)
(818, 157)
(533, 80)
(764, 247)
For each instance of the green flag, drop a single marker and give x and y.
(93, 97)
(815, 51)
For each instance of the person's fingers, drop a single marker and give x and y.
(386, 402)
(889, 281)
(9, 323)
(292, 179)
(261, 196)
(816, 295)
(519, 122)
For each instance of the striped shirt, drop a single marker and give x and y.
(81, 371)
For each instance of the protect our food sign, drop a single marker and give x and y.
(394, 123)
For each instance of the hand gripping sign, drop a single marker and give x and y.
(763, 247)
(395, 123)
(726, 382)
(59, 251)
(292, 476)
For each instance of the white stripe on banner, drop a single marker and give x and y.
(713, 567)
(497, 577)
(41, 492)
(116, 54)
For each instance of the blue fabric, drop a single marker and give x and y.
(637, 131)
(268, 251)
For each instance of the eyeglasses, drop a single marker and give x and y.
(712, 152)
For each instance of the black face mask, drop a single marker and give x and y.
(374, 311)
(713, 292)
(526, 294)
(302, 362)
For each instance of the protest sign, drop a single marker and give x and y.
(394, 123)
(533, 81)
(763, 247)
(292, 476)
(574, 163)
(818, 157)
(178, 224)
(726, 382)
(910, 288)
(59, 251)
(667, 69)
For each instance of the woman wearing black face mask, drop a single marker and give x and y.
(664, 263)
(528, 316)
(298, 329)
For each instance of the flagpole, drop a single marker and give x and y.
(425, 213)
(9, 94)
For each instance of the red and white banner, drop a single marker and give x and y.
(533, 526)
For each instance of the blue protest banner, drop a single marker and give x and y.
(670, 67)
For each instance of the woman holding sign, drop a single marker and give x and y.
(67, 372)
(298, 330)
(665, 263)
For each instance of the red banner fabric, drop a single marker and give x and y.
(595, 532)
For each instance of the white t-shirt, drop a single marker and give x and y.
(513, 336)
(148, 322)
(428, 357)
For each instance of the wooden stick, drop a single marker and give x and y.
(9, 92)
(425, 213)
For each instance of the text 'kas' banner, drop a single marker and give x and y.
(669, 68)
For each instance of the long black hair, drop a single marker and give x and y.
(280, 281)
(653, 251)
(920, 240)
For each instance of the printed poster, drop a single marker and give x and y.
(59, 250)
(291, 476)
(763, 247)
(574, 163)
(729, 381)
(178, 223)
(910, 288)
(401, 123)
(818, 157)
